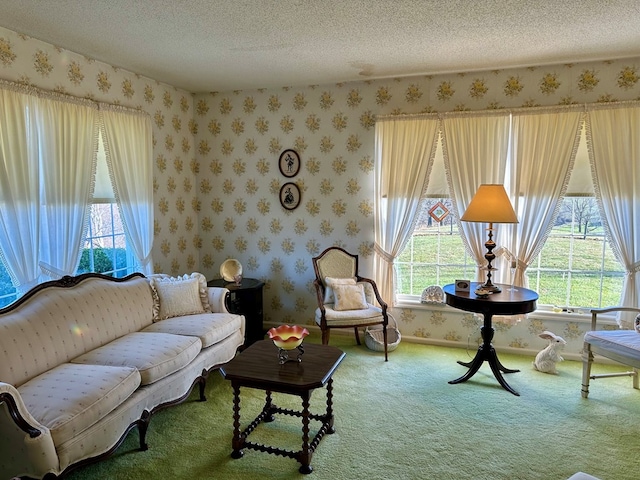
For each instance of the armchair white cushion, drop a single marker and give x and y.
(329, 282)
(349, 318)
(349, 297)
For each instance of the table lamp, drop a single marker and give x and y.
(490, 205)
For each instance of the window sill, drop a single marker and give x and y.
(543, 313)
(417, 304)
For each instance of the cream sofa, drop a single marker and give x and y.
(85, 359)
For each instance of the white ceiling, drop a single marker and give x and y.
(221, 45)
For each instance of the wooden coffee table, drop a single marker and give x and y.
(258, 367)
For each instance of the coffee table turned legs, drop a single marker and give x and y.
(240, 437)
(304, 456)
(329, 416)
(309, 445)
(255, 368)
(238, 440)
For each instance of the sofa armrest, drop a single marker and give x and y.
(218, 299)
(27, 446)
(17, 410)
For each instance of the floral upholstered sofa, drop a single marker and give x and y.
(85, 359)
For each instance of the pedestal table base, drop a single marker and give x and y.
(486, 352)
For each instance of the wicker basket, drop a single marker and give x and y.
(374, 339)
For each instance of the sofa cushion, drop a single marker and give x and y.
(60, 323)
(154, 355)
(177, 296)
(210, 328)
(70, 398)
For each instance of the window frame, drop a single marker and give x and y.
(577, 182)
(534, 271)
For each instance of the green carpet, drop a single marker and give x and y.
(402, 420)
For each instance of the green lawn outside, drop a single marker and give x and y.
(549, 278)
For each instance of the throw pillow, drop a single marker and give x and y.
(329, 282)
(177, 296)
(349, 297)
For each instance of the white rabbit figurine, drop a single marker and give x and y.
(546, 359)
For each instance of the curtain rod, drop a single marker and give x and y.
(507, 111)
(28, 89)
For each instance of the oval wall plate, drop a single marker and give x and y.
(289, 163)
(290, 196)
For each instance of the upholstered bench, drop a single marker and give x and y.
(620, 345)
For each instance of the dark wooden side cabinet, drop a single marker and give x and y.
(245, 299)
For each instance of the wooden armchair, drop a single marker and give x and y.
(345, 299)
(623, 346)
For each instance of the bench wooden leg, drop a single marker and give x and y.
(587, 360)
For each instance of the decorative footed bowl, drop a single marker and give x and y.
(288, 338)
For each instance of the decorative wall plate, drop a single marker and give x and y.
(230, 269)
(289, 163)
(290, 196)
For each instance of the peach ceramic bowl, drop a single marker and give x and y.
(287, 337)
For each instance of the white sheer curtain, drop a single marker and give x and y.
(128, 147)
(68, 138)
(19, 191)
(613, 137)
(475, 153)
(544, 147)
(47, 144)
(404, 152)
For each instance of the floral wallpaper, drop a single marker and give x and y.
(217, 177)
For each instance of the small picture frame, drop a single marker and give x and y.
(463, 285)
(289, 163)
(290, 196)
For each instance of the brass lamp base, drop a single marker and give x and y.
(488, 286)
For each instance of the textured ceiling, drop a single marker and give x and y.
(221, 45)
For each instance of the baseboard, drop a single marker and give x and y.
(314, 329)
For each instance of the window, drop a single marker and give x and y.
(435, 254)
(105, 246)
(48, 175)
(7, 290)
(575, 268)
